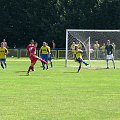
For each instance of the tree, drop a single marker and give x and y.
(44, 20)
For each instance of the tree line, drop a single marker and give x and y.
(47, 20)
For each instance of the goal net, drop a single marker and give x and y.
(86, 40)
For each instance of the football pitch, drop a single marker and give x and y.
(59, 93)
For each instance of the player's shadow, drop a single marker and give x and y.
(20, 71)
(23, 75)
(98, 69)
(70, 72)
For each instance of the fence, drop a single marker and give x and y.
(60, 54)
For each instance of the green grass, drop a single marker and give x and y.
(59, 93)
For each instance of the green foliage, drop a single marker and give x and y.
(46, 20)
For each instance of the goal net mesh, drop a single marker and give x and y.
(86, 40)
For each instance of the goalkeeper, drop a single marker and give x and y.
(79, 59)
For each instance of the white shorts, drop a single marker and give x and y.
(110, 57)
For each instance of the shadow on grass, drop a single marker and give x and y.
(24, 75)
(20, 71)
(71, 72)
(98, 68)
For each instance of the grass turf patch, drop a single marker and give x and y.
(59, 93)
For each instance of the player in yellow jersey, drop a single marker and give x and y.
(3, 52)
(49, 55)
(73, 49)
(44, 51)
(78, 55)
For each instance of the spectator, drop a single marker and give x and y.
(114, 47)
(96, 50)
(102, 48)
(53, 45)
(4, 43)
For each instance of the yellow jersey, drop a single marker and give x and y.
(49, 49)
(44, 50)
(3, 52)
(73, 47)
(78, 54)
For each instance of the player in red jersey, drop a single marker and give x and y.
(28, 48)
(34, 57)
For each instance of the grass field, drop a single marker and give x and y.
(59, 93)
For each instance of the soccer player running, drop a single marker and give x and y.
(3, 53)
(34, 58)
(44, 51)
(109, 50)
(28, 47)
(78, 54)
(49, 55)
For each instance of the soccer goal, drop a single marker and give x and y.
(86, 39)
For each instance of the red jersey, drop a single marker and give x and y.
(29, 49)
(32, 50)
(33, 56)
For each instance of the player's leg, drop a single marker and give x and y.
(79, 68)
(43, 66)
(46, 59)
(85, 63)
(5, 63)
(31, 59)
(43, 57)
(107, 59)
(30, 68)
(51, 63)
(33, 69)
(112, 58)
(2, 64)
(40, 59)
(50, 59)
(113, 63)
(46, 66)
(107, 64)
(79, 60)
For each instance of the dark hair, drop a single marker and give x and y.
(76, 47)
(35, 43)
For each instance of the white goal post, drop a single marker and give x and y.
(87, 37)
